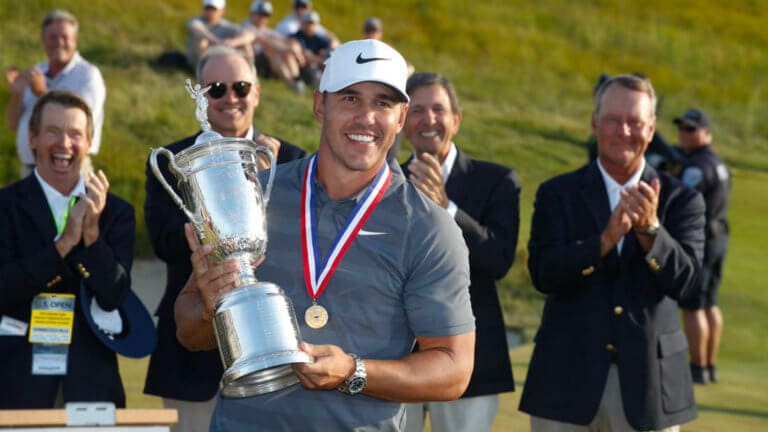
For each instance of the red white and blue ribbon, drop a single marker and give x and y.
(316, 278)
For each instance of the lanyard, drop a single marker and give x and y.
(60, 224)
(317, 277)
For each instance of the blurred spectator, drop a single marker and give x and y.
(704, 171)
(316, 47)
(64, 70)
(292, 22)
(274, 53)
(372, 28)
(211, 28)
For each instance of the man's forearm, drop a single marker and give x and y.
(13, 111)
(439, 371)
(194, 329)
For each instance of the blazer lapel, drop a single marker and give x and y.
(456, 186)
(34, 203)
(594, 195)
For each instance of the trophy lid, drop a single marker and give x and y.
(201, 113)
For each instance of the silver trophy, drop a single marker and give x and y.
(255, 324)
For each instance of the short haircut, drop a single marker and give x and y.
(223, 51)
(425, 79)
(628, 81)
(66, 99)
(59, 15)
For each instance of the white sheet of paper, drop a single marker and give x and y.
(12, 327)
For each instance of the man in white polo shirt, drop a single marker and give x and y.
(64, 70)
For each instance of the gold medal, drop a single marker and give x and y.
(316, 316)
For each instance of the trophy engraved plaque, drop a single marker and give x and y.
(255, 324)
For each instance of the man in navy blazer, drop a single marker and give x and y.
(189, 381)
(613, 245)
(483, 198)
(60, 229)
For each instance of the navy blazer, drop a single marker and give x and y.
(618, 309)
(30, 265)
(488, 199)
(173, 371)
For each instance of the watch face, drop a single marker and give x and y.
(356, 385)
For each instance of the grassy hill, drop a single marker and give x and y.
(524, 71)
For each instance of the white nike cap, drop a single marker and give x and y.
(364, 60)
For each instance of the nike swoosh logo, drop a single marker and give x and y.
(361, 60)
(363, 232)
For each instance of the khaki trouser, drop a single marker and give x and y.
(193, 416)
(472, 414)
(609, 418)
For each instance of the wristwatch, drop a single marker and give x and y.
(651, 229)
(357, 381)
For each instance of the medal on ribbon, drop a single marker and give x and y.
(317, 273)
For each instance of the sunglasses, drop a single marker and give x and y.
(688, 129)
(219, 89)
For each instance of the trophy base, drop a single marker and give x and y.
(252, 377)
(258, 339)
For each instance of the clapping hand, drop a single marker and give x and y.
(427, 175)
(272, 144)
(96, 185)
(640, 203)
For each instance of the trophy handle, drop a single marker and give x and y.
(272, 169)
(166, 186)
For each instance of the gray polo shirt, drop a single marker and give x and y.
(405, 275)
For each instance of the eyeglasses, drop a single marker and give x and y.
(688, 129)
(615, 124)
(219, 89)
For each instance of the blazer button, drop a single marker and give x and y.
(618, 310)
(588, 271)
(610, 347)
(654, 265)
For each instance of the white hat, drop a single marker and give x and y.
(218, 4)
(364, 60)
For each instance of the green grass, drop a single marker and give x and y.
(524, 72)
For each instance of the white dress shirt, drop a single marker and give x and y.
(613, 189)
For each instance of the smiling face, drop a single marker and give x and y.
(359, 125)
(60, 145)
(60, 42)
(230, 115)
(431, 122)
(623, 126)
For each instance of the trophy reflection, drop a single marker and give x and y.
(255, 324)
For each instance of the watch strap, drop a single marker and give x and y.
(356, 382)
